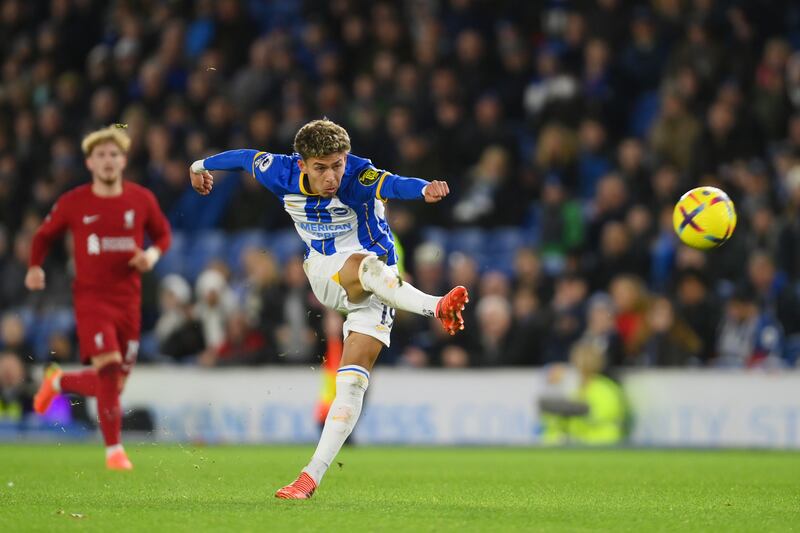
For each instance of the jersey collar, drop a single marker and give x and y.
(303, 187)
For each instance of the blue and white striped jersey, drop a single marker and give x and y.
(352, 220)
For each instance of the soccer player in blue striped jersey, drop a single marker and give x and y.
(336, 200)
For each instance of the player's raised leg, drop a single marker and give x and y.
(352, 379)
(56, 381)
(363, 274)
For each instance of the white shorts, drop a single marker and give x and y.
(370, 316)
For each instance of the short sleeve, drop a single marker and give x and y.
(271, 170)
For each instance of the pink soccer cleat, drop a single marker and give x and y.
(449, 308)
(118, 461)
(47, 392)
(301, 488)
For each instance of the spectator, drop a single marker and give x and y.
(671, 342)
(748, 337)
(567, 321)
(214, 305)
(16, 394)
(674, 132)
(178, 334)
(631, 302)
(595, 414)
(494, 320)
(12, 337)
(478, 203)
(697, 306)
(243, 344)
(601, 329)
(774, 296)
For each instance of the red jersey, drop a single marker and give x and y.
(106, 231)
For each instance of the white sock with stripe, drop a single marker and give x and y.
(351, 384)
(377, 278)
(111, 450)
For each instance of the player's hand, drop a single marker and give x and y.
(34, 279)
(202, 182)
(435, 191)
(142, 261)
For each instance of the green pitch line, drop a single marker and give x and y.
(176, 488)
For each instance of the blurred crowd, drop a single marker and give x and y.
(577, 124)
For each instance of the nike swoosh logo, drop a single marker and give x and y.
(89, 219)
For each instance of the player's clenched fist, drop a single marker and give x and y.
(435, 191)
(144, 260)
(34, 279)
(202, 180)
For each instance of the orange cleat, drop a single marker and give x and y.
(449, 308)
(118, 461)
(47, 393)
(301, 488)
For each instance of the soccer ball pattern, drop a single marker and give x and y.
(704, 218)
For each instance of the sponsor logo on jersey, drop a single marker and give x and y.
(325, 231)
(98, 340)
(93, 245)
(369, 176)
(117, 244)
(264, 161)
(128, 217)
(89, 219)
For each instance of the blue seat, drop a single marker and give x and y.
(239, 242)
(174, 261)
(467, 240)
(55, 321)
(206, 245)
(285, 244)
(504, 241)
(439, 236)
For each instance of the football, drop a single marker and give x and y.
(704, 218)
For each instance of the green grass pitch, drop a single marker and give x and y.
(182, 488)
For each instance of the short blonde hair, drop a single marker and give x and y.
(319, 138)
(114, 134)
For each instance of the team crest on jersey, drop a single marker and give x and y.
(339, 211)
(264, 161)
(369, 176)
(128, 216)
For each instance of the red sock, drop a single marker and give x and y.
(83, 382)
(108, 410)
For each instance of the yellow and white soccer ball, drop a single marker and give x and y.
(704, 218)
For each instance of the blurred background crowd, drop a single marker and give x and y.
(566, 129)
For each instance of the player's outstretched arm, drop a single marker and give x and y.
(392, 186)
(200, 175)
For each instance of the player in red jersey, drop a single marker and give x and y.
(108, 219)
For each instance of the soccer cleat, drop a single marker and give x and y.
(449, 308)
(118, 461)
(301, 488)
(46, 393)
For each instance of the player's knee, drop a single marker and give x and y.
(106, 359)
(373, 273)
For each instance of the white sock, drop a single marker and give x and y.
(111, 450)
(351, 384)
(377, 278)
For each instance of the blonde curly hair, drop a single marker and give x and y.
(321, 137)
